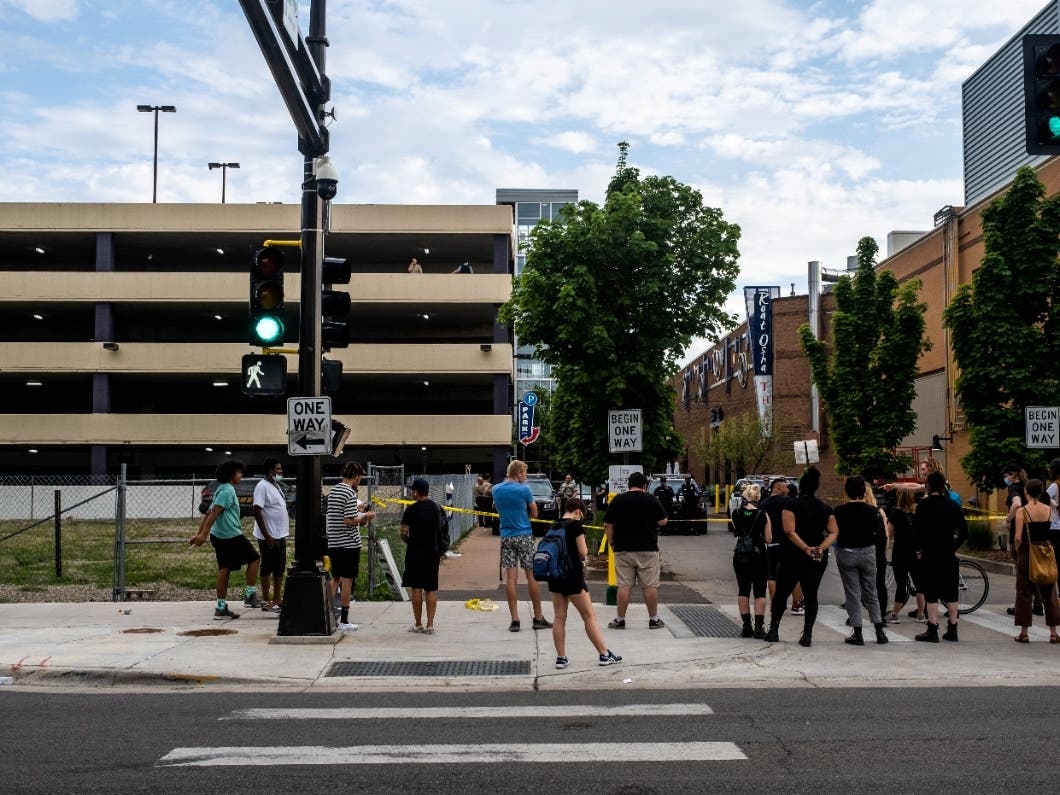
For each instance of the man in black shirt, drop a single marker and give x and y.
(939, 530)
(632, 525)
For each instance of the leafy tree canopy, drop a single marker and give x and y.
(1004, 329)
(611, 296)
(866, 377)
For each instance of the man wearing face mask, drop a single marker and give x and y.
(271, 528)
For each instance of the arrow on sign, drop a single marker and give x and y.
(534, 433)
(306, 441)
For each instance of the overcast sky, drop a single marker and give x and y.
(810, 124)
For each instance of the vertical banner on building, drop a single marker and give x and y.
(759, 303)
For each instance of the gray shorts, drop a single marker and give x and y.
(518, 552)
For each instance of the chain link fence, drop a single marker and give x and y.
(133, 535)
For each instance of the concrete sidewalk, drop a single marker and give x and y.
(177, 645)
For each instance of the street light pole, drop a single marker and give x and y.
(155, 109)
(224, 174)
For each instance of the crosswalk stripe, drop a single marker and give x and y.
(448, 754)
(423, 713)
(998, 623)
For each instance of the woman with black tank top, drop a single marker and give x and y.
(809, 530)
(1032, 527)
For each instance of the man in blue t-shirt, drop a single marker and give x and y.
(516, 506)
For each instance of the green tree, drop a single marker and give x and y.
(611, 296)
(1004, 329)
(738, 447)
(866, 377)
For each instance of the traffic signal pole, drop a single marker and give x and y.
(306, 608)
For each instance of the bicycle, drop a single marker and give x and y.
(972, 584)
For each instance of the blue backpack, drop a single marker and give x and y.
(552, 560)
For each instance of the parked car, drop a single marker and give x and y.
(245, 495)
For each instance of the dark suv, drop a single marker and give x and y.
(547, 503)
(245, 495)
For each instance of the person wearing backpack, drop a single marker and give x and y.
(569, 587)
(753, 532)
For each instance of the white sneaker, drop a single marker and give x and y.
(347, 627)
(450, 554)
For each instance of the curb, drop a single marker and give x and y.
(992, 566)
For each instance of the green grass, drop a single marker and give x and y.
(28, 560)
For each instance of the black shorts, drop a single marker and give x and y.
(569, 587)
(421, 570)
(772, 559)
(939, 579)
(233, 553)
(273, 559)
(345, 561)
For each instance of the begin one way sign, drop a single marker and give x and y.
(624, 431)
(309, 425)
(1042, 427)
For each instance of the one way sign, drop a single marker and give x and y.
(309, 426)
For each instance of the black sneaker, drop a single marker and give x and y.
(514, 626)
(542, 623)
(562, 662)
(610, 658)
(617, 623)
(221, 615)
(655, 623)
(253, 602)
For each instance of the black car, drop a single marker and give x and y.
(547, 503)
(245, 495)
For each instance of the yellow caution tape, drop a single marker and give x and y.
(480, 604)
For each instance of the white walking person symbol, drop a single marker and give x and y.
(254, 375)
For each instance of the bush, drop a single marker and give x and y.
(981, 535)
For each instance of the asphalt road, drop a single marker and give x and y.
(864, 740)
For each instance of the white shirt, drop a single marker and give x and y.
(1054, 514)
(270, 499)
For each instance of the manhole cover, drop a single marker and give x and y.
(431, 668)
(140, 631)
(706, 622)
(206, 633)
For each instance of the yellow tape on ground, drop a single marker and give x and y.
(480, 604)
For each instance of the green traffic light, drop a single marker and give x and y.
(268, 329)
(1054, 127)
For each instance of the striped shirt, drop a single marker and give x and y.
(342, 505)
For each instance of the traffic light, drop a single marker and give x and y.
(1041, 88)
(334, 304)
(266, 298)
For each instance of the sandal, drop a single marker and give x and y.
(1054, 638)
(417, 628)
(429, 631)
(1025, 639)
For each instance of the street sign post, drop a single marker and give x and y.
(1042, 427)
(309, 425)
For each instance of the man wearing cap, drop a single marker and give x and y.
(516, 506)
(632, 525)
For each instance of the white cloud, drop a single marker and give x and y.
(44, 10)
(569, 141)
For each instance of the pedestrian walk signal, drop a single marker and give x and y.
(266, 298)
(264, 374)
(1041, 87)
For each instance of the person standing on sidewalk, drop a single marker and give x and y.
(632, 523)
(232, 549)
(809, 530)
(516, 506)
(1032, 527)
(939, 530)
(773, 505)
(419, 529)
(272, 525)
(856, 558)
(754, 532)
(573, 590)
(344, 520)
(567, 489)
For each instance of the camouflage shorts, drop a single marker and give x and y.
(518, 552)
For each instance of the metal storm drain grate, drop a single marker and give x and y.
(706, 622)
(431, 668)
